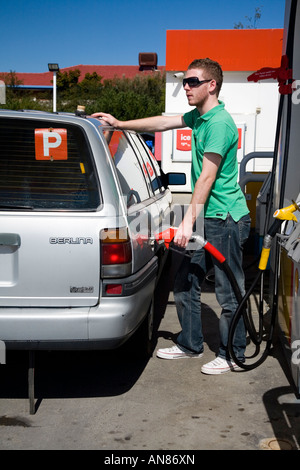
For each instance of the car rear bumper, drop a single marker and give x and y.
(105, 326)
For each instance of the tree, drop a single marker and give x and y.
(126, 98)
(141, 96)
(252, 21)
(11, 79)
(13, 91)
(67, 80)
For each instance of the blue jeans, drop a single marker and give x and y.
(228, 237)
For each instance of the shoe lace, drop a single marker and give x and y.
(219, 361)
(172, 349)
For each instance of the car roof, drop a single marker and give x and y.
(31, 113)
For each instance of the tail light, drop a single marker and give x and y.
(116, 252)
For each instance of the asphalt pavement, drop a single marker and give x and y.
(116, 401)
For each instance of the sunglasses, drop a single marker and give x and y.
(193, 82)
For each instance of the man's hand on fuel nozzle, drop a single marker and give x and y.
(183, 234)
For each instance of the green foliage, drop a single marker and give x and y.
(25, 102)
(125, 98)
(18, 98)
(134, 98)
(11, 79)
(66, 81)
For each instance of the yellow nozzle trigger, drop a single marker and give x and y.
(286, 213)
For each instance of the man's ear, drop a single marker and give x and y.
(213, 86)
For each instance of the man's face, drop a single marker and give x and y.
(197, 96)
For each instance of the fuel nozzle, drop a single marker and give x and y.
(286, 213)
(166, 236)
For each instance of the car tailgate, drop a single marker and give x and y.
(49, 261)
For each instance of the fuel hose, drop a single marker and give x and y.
(168, 235)
(242, 313)
(257, 336)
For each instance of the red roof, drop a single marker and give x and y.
(105, 71)
(234, 49)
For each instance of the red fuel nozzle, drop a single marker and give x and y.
(167, 235)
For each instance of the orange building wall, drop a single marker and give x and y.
(234, 49)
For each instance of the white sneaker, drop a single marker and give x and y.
(218, 366)
(175, 353)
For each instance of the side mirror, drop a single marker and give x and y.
(174, 179)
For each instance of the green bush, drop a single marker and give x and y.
(125, 98)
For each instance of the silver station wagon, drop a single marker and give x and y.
(80, 204)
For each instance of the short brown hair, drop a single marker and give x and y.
(211, 69)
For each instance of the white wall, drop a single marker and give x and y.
(253, 106)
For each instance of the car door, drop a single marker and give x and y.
(135, 186)
(162, 196)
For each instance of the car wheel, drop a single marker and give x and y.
(147, 331)
(143, 338)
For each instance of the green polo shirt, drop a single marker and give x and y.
(216, 132)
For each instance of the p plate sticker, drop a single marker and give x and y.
(51, 144)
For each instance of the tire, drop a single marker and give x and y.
(141, 344)
(146, 332)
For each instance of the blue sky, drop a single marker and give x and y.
(111, 32)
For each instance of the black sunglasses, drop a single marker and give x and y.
(193, 82)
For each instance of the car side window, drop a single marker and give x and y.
(151, 165)
(128, 166)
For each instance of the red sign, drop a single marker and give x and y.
(184, 139)
(150, 169)
(51, 144)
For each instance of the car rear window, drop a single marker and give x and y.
(46, 165)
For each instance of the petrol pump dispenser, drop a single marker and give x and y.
(284, 263)
(291, 247)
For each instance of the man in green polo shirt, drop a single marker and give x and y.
(216, 196)
(215, 132)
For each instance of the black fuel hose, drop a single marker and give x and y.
(242, 310)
